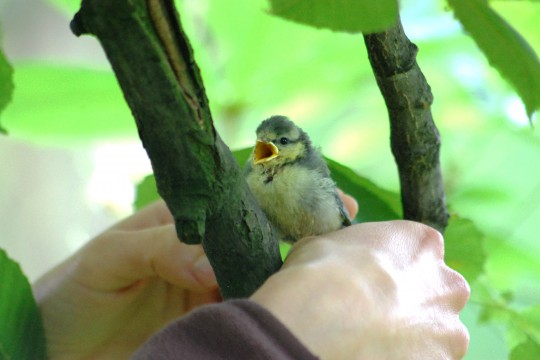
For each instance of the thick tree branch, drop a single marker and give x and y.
(195, 172)
(414, 136)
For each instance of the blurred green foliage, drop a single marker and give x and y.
(505, 49)
(62, 102)
(255, 65)
(464, 250)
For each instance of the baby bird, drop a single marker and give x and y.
(292, 183)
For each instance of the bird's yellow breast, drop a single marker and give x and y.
(298, 201)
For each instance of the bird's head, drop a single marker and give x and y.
(279, 141)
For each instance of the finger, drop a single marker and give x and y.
(119, 259)
(461, 340)
(196, 300)
(350, 203)
(457, 288)
(451, 338)
(155, 214)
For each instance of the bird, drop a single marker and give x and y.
(291, 181)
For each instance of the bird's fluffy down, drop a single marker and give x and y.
(293, 187)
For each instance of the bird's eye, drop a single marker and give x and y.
(283, 141)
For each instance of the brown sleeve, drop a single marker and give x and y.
(236, 329)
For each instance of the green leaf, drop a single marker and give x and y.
(375, 203)
(146, 192)
(464, 248)
(242, 155)
(284, 250)
(523, 326)
(527, 350)
(352, 16)
(67, 103)
(493, 306)
(6, 84)
(21, 330)
(505, 48)
(512, 266)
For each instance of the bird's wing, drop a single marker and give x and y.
(316, 161)
(248, 167)
(345, 216)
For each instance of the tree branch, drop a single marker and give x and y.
(414, 137)
(195, 172)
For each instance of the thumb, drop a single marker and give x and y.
(119, 258)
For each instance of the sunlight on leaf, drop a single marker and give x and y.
(53, 103)
(21, 330)
(352, 16)
(505, 49)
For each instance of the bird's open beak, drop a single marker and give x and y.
(264, 151)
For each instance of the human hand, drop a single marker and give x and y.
(108, 298)
(371, 291)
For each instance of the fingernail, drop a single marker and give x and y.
(205, 272)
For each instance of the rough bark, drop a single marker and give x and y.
(415, 140)
(195, 172)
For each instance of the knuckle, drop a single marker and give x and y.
(457, 290)
(461, 341)
(432, 239)
(461, 288)
(307, 249)
(454, 337)
(428, 238)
